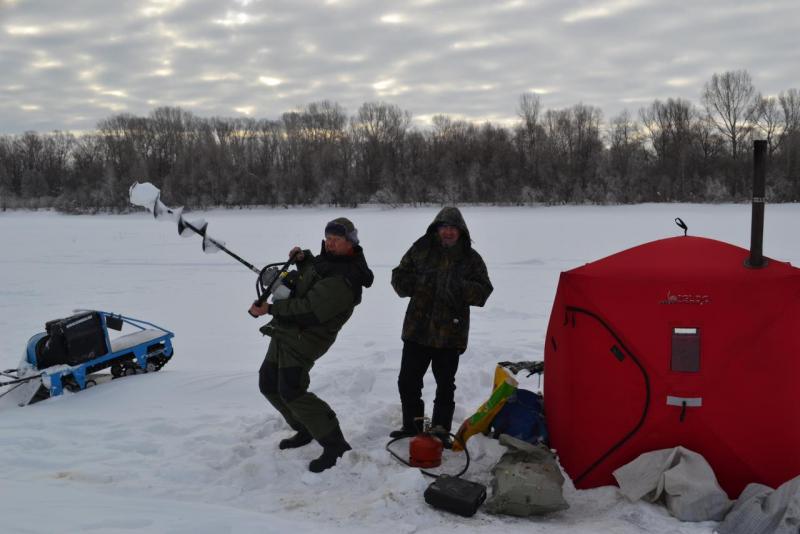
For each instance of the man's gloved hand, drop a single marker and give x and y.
(258, 311)
(300, 255)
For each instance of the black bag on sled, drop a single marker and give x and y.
(455, 495)
(71, 341)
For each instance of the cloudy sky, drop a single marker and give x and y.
(66, 64)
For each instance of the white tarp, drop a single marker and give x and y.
(679, 476)
(762, 510)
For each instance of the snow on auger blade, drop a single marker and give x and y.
(148, 196)
(72, 351)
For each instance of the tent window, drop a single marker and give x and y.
(686, 350)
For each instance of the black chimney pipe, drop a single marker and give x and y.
(756, 259)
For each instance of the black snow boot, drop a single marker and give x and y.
(443, 435)
(333, 447)
(302, 437)
(441, 422)
(413, 413)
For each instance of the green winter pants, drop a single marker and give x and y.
(283, 379)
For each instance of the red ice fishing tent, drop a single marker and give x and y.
(677, 342)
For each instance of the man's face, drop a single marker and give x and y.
(448, 235)
(337, 245)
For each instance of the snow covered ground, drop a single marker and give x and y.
(193, 448)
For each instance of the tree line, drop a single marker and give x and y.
(671, 150)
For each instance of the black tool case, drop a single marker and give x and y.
(455, 495)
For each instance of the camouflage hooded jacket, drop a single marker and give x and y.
(442, 283)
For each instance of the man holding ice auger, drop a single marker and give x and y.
(304, 326)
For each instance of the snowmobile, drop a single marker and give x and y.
(72, 351)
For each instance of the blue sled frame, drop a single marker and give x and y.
(146, 349)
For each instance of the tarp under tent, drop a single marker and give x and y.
(676, 342)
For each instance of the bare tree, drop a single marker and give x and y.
(790, 104)
(379, 130)
(790, 137)
(529, 134)
(728, 99)
(572, 153)
(710, 143)
(624, 142)
(670, 129)
(767, 121)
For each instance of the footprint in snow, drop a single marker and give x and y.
(361, 382)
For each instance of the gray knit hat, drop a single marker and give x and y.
(344, 227)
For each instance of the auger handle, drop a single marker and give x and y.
(265, 293)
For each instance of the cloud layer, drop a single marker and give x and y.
(67, 65)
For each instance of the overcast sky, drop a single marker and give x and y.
(66, 64)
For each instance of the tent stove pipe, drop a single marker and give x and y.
(756, 259)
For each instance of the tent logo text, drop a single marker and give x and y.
(698, 300)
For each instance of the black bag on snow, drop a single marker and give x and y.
(455, 495)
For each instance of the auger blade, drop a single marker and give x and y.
(189, 228)
(164, 213)
(211, 246)
(148, 196)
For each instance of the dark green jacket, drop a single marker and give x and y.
(442, 283)
(327, 288)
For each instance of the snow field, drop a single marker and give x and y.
(193, 448)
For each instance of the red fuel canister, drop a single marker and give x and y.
(425, 450)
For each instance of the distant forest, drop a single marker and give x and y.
(668, 151)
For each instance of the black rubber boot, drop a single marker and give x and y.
(413, 413)
(441, 422)
(301, 438)
(443, 415)
(333, 447)
(443, 435)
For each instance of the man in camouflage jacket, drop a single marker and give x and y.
(444, 276)
(304, 326)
